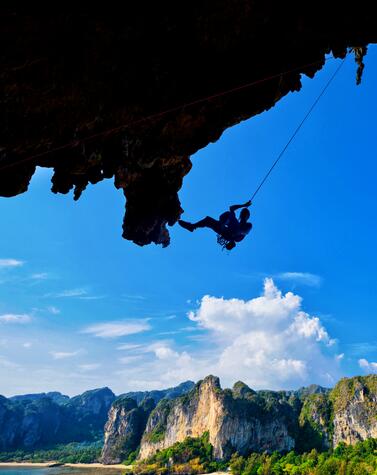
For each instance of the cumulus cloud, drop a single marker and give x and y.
(268, 342)
(305, 278)
(368, 366)
(11, 263)
(117, 329)
(15, 318)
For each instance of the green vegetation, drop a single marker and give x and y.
(161, 413)
(315, 423)
(69, 453)
(360, 459)
(192, 456)
(195, 455)
(346, 389)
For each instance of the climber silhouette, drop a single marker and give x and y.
(228, 228)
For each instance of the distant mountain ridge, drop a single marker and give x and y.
(157, 395)
(236, 420)
(57, 397)
(39, 420)
(35, 421)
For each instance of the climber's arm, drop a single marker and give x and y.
(236, 207)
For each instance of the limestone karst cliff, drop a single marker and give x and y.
(355, 409)
(236, 421)
(124, 428)
(42, 420)
(242, 420)
(39, 421)
(116, 93)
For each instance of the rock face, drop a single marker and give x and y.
(112, 94)
(28, 425)
(35, 421)
(124, 428)
(128, 418)
(235, 421)
(355, 409)
(315, 422)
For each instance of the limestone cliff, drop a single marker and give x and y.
(355, 409)
(315, 423)
(42, 420)
(124, 428)
(235, 421)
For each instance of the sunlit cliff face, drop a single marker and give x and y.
(131, 95)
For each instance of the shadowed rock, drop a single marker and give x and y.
(83, 93)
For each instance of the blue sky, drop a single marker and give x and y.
(82, 308)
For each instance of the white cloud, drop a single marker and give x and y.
(368, 366)
(79, 293)
(40, 276)
(72, 293)
(6, 363)
(129, 359)
(304, 278)
(11, 263)
(117, 329)
(308, 327)
(164, 352)
(134, 296)
(171, 317)
(128, 346)
(89, 366)
(15, 318)
(92, 297)
(27, 344)
(54, 310)
(61, 355)
(267, 341)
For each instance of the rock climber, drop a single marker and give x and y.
(228, 227)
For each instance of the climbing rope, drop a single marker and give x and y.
(297, 129)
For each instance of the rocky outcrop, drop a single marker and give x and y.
(112, 94)
(124, 429)
(35, 421)
(28, 425)
(355, 409)
(235, 422)
(315, 422)
(128, 417)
